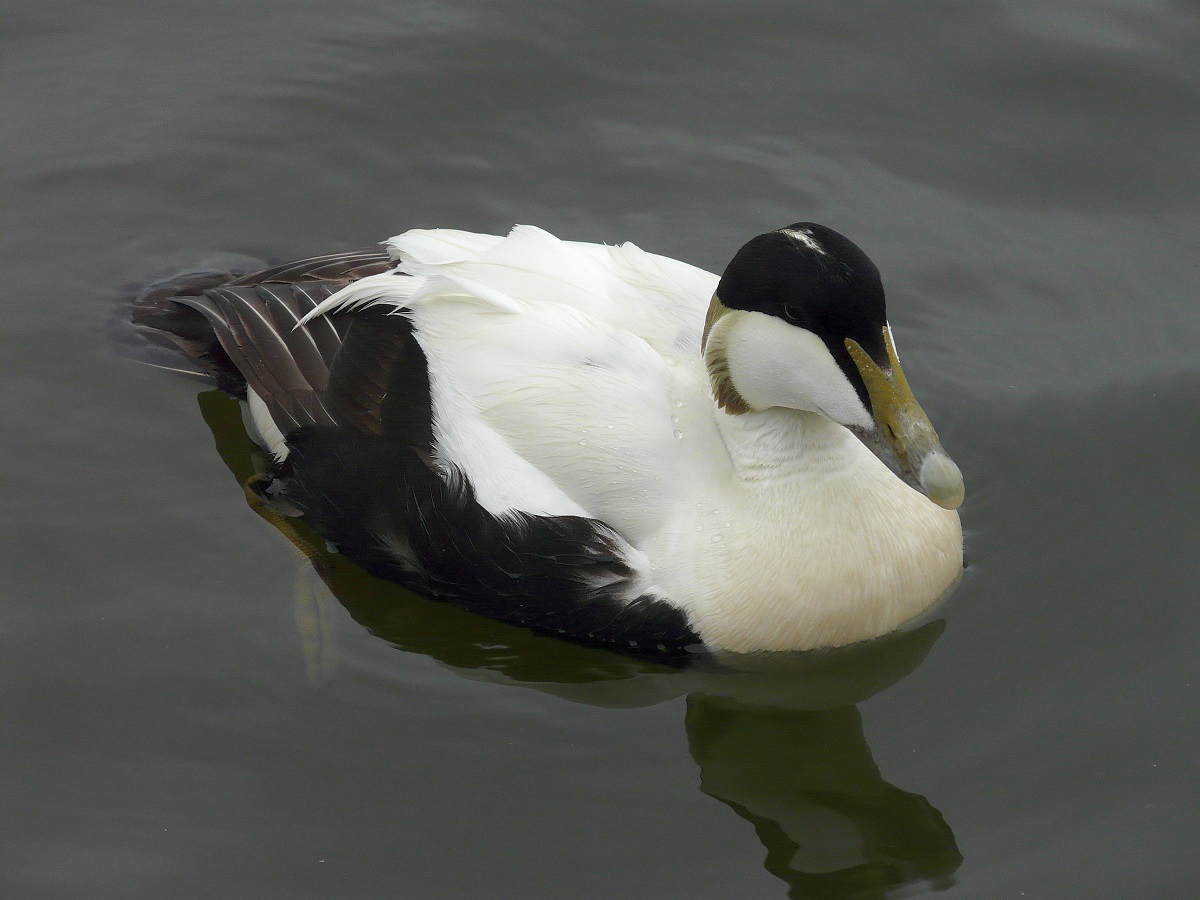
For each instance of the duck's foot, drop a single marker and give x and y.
(313, 607)
(319, 556)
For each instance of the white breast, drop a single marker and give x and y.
(821, 545)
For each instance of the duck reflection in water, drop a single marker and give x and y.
(806, 781)
(778, 739)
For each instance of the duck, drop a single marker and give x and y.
(589, 440)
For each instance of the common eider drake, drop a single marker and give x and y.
(594, 441)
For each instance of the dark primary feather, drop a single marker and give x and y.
(240, 327)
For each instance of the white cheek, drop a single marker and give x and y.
(773, 363)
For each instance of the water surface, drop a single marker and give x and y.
(188, 710)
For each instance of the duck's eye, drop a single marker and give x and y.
(793, 313)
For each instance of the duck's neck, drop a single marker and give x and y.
(778, 445)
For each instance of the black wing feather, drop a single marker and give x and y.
(385, 508)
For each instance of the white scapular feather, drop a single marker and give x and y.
(567, 379)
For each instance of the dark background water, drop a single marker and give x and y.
(187, 711)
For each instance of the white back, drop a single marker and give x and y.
(566, 378)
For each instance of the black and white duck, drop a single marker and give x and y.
(593, 440)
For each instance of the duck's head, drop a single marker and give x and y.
(799, 321)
